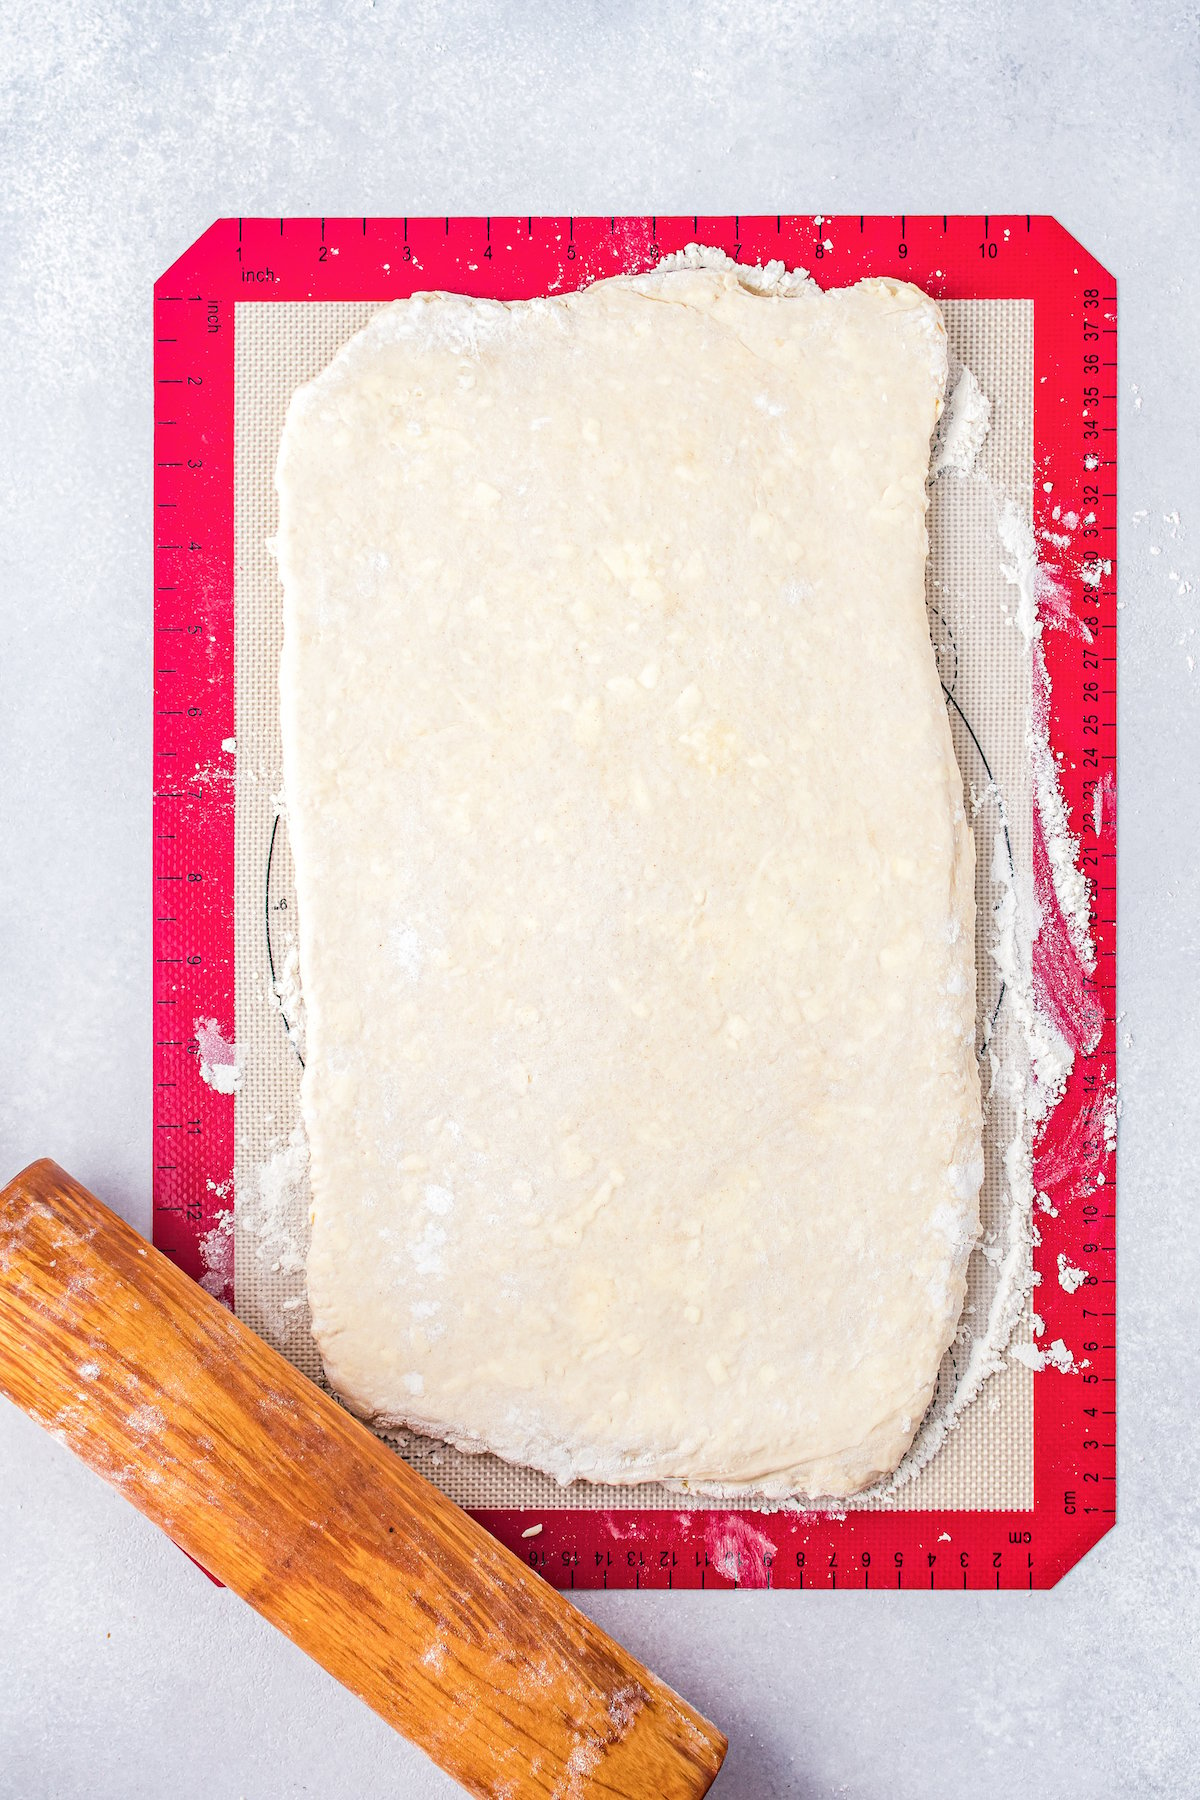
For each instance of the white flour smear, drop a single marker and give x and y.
(268, 1212)
(272, 1220)
(1037, 593)
(1054, 1356)
(216, 1251)
(221, 1065)
(963, 426)
(761, 278)
(287, 991)
(1069, 1277)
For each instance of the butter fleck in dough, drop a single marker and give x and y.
(634, 879)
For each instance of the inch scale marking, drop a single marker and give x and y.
(951, 257)
(193, 714)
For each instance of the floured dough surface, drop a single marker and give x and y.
(635, 886)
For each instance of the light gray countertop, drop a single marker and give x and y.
(128, 128)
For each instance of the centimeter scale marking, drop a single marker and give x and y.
(951, 256)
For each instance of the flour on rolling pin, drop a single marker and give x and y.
(273, 1488)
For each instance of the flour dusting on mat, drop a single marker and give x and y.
(1054, 1356)
(221, 1065)
(272, 1213)
(1069, 1277)
(738, 1551)
(1020, 566)
(288, 993)
(962, 427)
(216, 1253)
(272, 1202)
(761, 278)
(1043, 944)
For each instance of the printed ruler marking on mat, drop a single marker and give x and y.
(1076, 354)
(193, 792)
(952, 257)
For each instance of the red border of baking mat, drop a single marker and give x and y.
(952, 257)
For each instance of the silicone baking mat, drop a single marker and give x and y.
(1023, 1482)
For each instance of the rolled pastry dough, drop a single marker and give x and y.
(635, 884)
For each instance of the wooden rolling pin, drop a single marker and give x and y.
(296, 1506)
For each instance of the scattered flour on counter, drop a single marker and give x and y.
(221, 1063)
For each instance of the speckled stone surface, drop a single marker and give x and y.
(127, 128)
